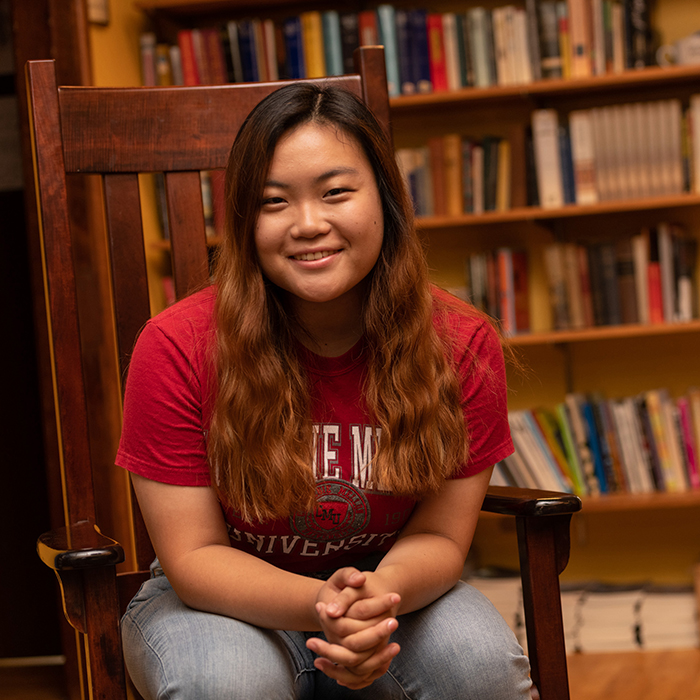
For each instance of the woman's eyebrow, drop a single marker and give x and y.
(324, 176)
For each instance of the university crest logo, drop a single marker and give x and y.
(342, 511)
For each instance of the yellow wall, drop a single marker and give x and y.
(115, 47)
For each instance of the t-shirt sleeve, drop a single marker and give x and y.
(484, 395)
(163, 433)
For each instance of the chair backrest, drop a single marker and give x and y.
(118, 133)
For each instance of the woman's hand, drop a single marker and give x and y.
(357, 615)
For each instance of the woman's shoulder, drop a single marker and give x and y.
(194, 310)
(460, 316)
(186, 323)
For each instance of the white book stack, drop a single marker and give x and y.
(608, 619)
(669, 619)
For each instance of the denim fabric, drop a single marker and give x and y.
(457, 648)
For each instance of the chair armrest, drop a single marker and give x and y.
(508, 500)
(82, 546)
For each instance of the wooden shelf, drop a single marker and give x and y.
(627, 502)
(646, 78)
(202, 7)
(427, 223)
(631, 330)
(615, 502)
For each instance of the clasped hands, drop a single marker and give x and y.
(357, 615)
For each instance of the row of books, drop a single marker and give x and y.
(453, 175)
(603, 617)
(646, 278)
(425, 51)
(590, 445)
(497, 283)
(600, 154)
(643, 149)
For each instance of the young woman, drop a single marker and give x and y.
(310, 440)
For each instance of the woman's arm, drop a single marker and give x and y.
(189, 534)
(428, 558)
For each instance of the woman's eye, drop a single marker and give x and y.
(336, 191)
(272, 200)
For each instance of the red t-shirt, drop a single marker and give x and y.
(167, 409)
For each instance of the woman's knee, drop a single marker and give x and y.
(466, 647)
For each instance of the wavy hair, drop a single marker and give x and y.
(260, 442)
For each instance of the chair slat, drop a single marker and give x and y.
(128, 258)
(159, 129)
(190, 261)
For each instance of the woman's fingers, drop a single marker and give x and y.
(369, 608)
(362, 675)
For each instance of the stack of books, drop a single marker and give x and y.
(602, 617)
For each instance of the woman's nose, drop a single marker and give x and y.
(310, 221)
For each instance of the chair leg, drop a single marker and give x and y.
(103, 639)
(543, 543)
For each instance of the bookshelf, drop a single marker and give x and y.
(620, 360)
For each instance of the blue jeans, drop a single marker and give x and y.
(457, 648)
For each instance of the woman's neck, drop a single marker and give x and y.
(330, 329)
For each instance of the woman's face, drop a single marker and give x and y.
(320, 228)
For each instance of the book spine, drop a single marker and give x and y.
(545, 134)
(386, 17)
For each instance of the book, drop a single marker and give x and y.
(521, 292)
(490, 145)
(451, 50)
(503, 176)
(694, 113)
(626, 286)
(685, 255)
(545, 134)
(420, 53)
(576, 314)
(666, 271)
(407, 84)
(232, 53)
(368, 28)
(551, 62)
(249, 54)
(506, 291)
(349, 39)
(570, 451)
(312, 42)
(332, 42)
(436, 151)
(436, 52)
(640, 257)
(583, 156)
(557, 285)
(654, 293)
(386, 18)
(533, 38)
(147, 43)
(574, 403)
(190, 74)
(452, 165)
(637, 33)
(579, 24)
(480, 44)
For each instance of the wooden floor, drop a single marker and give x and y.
(621, 676)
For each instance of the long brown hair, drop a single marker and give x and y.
(260, 442)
